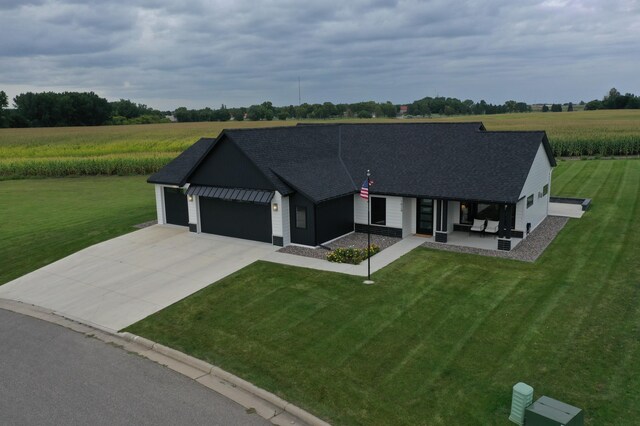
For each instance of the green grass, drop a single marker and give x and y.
(442, 337)
(45, 220)
(142, 149)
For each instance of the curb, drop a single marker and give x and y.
(272, 408)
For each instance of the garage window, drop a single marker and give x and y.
(301, 217)
(529, 200)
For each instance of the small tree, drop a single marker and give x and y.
(556, 108)
(570, 107)
(545, 108)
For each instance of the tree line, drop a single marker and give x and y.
(614, 100)
(50, 109)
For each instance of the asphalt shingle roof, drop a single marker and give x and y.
(178, 169)
(430, 160)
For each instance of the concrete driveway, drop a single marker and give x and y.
(121, 281)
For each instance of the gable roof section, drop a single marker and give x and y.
(178, 170)
(430, 160)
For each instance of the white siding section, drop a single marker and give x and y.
(408, 216)
(539, 175)
(193, 210)
(520, 207)
(276, 217)
(394, 210)
(454, 213)
(160, 204)
(286, 223)
(359, 210)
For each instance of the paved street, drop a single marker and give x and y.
(50, 375)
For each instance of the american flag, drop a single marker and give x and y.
(364, 191)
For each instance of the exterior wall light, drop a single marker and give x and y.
(190, 197)
(275, 207)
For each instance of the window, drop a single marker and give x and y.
(378, 211)
(470, 210)
(545, 189)
(301, 217)
(529, 200)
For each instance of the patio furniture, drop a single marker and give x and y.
(492, 227)
(478, 226)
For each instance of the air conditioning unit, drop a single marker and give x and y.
(550, 412)
(521, 398)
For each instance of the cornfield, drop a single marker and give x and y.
(143, 149)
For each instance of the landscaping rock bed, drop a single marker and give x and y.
(354, 240)
(528, 250)
(145, 224)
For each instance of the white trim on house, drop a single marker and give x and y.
(539, 176)
(192, 208)
(276, 216)
(160, 204)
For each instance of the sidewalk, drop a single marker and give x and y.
(378, 261)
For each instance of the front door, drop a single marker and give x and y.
(424, 223)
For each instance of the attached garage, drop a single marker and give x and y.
(238, 213)
(175, 207)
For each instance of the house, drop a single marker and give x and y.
(300, 185)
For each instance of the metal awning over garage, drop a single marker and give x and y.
(256, 196)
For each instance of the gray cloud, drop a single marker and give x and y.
(199, 53)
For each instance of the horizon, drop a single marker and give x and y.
(203, 54)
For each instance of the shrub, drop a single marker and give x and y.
(351, 255)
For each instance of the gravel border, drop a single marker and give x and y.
(355, 239)
(527, 250)
(145, 224)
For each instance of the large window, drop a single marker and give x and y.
(378, 211)
(301, 217)
(470, 210)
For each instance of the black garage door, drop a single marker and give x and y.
(175, 206)
(236, 219)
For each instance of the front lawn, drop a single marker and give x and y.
(44, 220)
(441, 337)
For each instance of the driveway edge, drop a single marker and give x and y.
(264, 403)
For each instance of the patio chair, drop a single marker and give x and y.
(492, 227)
(478, 226)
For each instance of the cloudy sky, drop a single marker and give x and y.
(204, 53)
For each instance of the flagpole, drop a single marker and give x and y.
(368, 281)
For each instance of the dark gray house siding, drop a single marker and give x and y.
(307, 235)
(225, 165)
(334, 218)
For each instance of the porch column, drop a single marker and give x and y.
(442, 212)
(504, 229)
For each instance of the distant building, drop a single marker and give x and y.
(403, 109)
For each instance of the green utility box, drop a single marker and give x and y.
(549, 412)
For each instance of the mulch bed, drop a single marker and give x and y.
(356, 239)
(527, 250)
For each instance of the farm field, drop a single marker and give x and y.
(47, 219)
(441, 337)
(142, 149)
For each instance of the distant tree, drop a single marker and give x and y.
(545, 108)
(238, 115)
(593, 105)
(556, 108)
(4, 102)
(570, 107)
(364, 114)
(581, 103)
